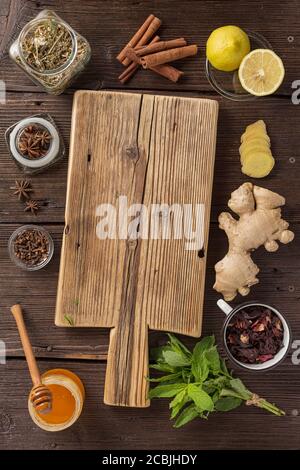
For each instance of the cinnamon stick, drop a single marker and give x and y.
(136, 37)
(169, 72)
(159, 46)
(165, 70)
(132, 68)
(128, 72)
(132, 56)
(170, 55)
(152, 28)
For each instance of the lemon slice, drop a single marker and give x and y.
(261, 72)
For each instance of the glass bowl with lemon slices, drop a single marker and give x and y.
(234, 64)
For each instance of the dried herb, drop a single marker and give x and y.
(254, 335)
(31, 247)
(22, 189)
(34, 142)
(69, 320)
(60, 81)
(50, 52)
(48, 46)
(31, 206)
(199, 382)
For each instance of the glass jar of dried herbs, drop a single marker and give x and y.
(35, 143)
(50, 52)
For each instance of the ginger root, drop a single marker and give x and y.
(256, 156)
(259, 223)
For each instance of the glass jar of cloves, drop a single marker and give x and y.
(35, 143)
(51, 52)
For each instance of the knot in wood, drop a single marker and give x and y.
(5, 422)
(132, 244)
(132, 152)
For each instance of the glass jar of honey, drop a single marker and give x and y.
(67, 400)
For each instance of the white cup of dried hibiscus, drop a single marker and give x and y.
(256, 336)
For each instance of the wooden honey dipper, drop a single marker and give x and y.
(40, 395)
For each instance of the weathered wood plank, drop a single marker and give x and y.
(104, 427)
(279, 285)
(151, 150)
(50, 186)
(109, 25)
(37, 293)
(101, 426)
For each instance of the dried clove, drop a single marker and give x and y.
(31, 247)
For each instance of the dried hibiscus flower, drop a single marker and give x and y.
(254, 335)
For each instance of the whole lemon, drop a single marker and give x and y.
(226, 47)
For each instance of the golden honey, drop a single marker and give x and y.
(67, 400)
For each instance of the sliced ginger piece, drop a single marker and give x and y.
(258, 165)
(257, 133)
(249, 154)
(258, 128)
(258, 124)
(256, 156)
(259, 139)
(254, 146)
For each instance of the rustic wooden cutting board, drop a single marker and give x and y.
(154, 150)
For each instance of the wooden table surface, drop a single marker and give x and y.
(108, 25)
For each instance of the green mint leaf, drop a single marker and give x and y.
(223, 367)
(238, 386)
(178, 398)
(201, 399)
(228, 392)
(209, 388)
(178, 346)
(186, 375)
(156, 354)
(176, 408)
(200, 369)
(203, 345)
(166, 391)
(174, 359)
(217, 382)
(187, 415)
(216, 396)
(227, 403)
(162, 367)
(167, 378)
(213, 359)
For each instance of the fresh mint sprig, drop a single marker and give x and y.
(198, 382)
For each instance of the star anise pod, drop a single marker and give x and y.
(34, 142)
(22, 189)
(44, 138)
(31, 206)
(29, 148)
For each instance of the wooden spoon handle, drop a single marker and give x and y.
(16, 310)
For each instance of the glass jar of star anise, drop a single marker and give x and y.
(35, 143)
(51, 52)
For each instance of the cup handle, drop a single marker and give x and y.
(224, 306)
